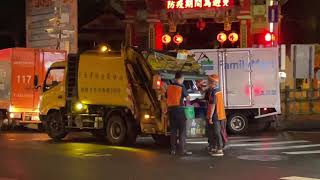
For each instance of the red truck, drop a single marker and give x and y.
(19, 68)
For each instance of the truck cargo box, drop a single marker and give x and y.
(18, 69)
(102, 80)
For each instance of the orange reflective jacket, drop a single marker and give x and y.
(219, 104)
(174, 94)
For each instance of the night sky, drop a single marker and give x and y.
(301, 22)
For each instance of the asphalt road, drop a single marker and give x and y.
(268, 156)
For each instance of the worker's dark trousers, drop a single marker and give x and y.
(178, 128)
(215, 135)
(224, 132)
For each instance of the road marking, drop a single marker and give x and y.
(284, 147)
(297, 178)
(97, 155)
(266, 143)
(198, 142)
(262, 157)
(302, 152)
(232, 139)
(254, 139)
(305, 132)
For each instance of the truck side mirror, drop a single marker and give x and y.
(36, 81)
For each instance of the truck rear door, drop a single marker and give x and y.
(236, 78)
(23, 63)
(5, 83)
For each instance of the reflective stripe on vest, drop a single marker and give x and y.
(174, 93)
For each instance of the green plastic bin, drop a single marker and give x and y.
(189, 112)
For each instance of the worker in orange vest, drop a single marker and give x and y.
(215, 116)
(176, 93)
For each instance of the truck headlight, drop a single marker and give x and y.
(11, 115)
(79, 106)
(147, 116)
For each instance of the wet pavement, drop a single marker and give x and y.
(33, 156)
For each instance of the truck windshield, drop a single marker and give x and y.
(53, 78)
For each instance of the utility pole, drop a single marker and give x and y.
(58, 25)
(273, 14)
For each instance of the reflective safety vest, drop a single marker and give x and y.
(174, 94)
(219, 110)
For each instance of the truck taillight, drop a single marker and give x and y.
(156, 82)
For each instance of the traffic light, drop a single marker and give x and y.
(269, 37)
(265, 39)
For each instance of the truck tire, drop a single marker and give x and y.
(56, 127)
(2, 117)
(237, 123)
(116, 130)
(161, 140)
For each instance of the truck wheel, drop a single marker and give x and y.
(237, 123)
(2, 117)
(161, 140)
(56, 126)
(116, 130)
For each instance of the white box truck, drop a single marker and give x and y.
(249, 79)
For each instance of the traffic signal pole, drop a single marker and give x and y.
(274, 21)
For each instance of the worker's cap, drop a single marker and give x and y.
(213, 77)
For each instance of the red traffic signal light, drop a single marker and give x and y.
(268, 37)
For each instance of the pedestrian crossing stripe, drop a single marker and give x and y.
(253, 139)
(284, 147)
(231, 140)
(297, 178)
(267, 143)
(302, 152)
(197, 142)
